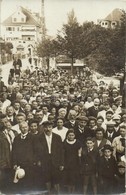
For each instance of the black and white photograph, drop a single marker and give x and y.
(62, 97)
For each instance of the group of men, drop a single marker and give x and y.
(58, 131)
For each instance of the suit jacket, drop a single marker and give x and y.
(42, 154)
(5, 155)
(104, 141)
(107, 169)
(82, 136)
(69, 125)
(23, 151)
(115, 134)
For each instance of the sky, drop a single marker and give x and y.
(56, 11)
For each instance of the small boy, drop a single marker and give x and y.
(88, 164)
(120, 178)
(107, 168)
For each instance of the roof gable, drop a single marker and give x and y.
(30, 20)
(115, 15)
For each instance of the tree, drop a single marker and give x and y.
(69, 38)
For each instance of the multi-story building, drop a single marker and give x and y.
(112, 20)
(23, 30)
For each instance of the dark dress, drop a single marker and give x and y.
(71, 162)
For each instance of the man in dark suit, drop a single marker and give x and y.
(71, 123)
(93, 111)
(82, 131)
(49, 150)
(11, 115)
(23, 156)
(110, 133)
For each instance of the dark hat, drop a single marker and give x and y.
(47, 123)
(121, 164)
(82, 118)
(107, 147)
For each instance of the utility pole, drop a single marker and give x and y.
(1, 41)
(43, 27)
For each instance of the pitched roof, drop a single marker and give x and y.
(115, 15)
(30, 19)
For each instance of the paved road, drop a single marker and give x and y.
(6, 68)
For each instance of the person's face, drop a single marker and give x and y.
(20, 119)
(24, 128)
(114, 108)
(53, 111)
(60, 123)
(121, 170)
(117, 121)
(39, 116)
(107, 153)
(110, 129)
(89, 99)
(8, 125)
(109, 117)
(92, 123)
(48, 130)
(22, 103)
(34, 127)
(16, 106)
(5, 121)
(99, 122)
(72, 116)
(82, 123)
(71, 136)
(45, 110)
(39, 100)
(34, 105)
(122, 131)
(27, 108)
(10, 111)
(90, 144)
(30, 116)
(62, 114)
(99, 135)
(57, 103)
(107, 106)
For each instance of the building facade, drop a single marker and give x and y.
(112, 20)
(23, 30)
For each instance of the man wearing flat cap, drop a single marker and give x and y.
(110, 133)
(82, 132)
(49, 151)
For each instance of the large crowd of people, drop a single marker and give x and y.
(61, 134)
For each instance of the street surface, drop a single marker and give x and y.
(6, 68)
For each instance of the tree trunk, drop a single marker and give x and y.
(72, 62)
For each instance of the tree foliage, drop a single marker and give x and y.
(103, 49)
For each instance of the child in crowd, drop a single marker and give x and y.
(72, 151)
(88, 165)
(107, 168)
(120, 178)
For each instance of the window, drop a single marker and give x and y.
(102, 23)
(14, 19)
(113, 23)
(9, 29)
(106, 23)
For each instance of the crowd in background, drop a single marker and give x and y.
(65, 133)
